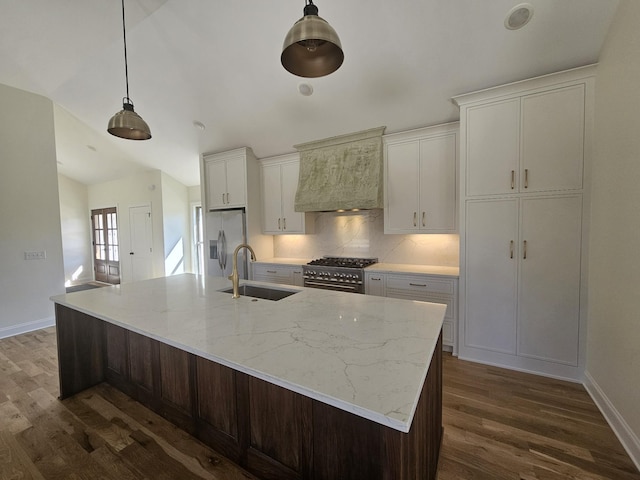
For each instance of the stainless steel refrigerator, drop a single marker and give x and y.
(226, 229)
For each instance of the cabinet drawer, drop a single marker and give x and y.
(420, 284)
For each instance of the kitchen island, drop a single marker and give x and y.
(318, 385)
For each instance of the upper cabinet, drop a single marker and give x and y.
(279, 181)
(226, 179)
(420, 180)
(531, 143)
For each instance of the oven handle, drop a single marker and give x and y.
(342, 286)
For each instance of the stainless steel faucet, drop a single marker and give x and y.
(235, 280)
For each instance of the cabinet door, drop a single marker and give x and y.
(549, 297)
(553, 140)
(403, 178)
(216, 184)
(491, 274)
(271, 199)
(292, 221)
(493, 147)
(236, 182)
(438, 184)
(374, 284)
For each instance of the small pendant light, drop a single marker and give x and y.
(127, 123)
(312, 47)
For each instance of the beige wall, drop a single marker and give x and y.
(29, 212)
(76, 231)
(613, 352)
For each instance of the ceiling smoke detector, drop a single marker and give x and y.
(518, 16)
(305, 89)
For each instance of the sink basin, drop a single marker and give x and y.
(265, 293)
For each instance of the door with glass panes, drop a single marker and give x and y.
(106, 249)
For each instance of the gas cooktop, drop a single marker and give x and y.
(344, 262)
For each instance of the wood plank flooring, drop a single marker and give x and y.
(499, 424)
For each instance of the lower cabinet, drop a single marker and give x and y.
(424, 288)
(523, 278)
(273, 432)
(278, 273)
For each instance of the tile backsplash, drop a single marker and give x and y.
(361, 234)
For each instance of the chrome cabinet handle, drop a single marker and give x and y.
(272, 271)
(423, 219)
(227, 198)
(415, 216)
(223, 198)
(279, 228)
(526, 178)
(511, 249)
(377, 279)
(417, 285)
(284, 223)
(524, 250)
(513, 179)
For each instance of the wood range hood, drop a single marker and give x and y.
(341, 173)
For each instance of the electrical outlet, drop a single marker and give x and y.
(35, 255)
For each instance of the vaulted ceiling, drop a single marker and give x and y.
(218, 62)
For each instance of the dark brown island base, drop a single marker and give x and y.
(271, 431)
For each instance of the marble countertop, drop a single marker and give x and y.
(380, 267)
(410, 268)
(363, 354)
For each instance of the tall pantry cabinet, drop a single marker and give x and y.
(524, 156)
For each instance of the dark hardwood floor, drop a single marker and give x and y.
(499, 424)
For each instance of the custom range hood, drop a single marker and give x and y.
(341, 173)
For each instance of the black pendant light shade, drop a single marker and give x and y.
(127, 123)
(312, 47)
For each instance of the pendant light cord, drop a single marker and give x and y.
(126, 68)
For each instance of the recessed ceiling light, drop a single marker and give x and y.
(305, 89)
(198, 125)
(518, 16)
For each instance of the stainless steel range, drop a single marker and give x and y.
(341, 274)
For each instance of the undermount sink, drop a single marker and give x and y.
(265, 293)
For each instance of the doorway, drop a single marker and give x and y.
(141, 254)
(106, 248)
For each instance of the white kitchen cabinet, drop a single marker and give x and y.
(523, 276)
(226, 179)
(420, 180)
(279, 178)
(533, 143)
(524, 153)
(424, 288)
(278, 273)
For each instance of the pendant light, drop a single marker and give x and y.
(127, 123)
(312, 47)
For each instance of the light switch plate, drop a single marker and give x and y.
(35, 255)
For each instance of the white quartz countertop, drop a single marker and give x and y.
(414, 268)
(364, 354)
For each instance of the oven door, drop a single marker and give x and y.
(336, 287)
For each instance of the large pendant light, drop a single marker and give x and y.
(312, 47)
(127, 123)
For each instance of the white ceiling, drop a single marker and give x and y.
(218, 62)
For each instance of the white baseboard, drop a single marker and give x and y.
(27, 327)
(627, 437)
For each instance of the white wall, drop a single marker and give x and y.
(76, 231)
(133, 191)
(176, 226)
(29, 212)
(613, 351)
(361, 234)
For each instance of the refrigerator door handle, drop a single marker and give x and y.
(220, 250)
(224, 251)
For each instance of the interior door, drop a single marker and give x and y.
(106, 248)
(141, 253)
